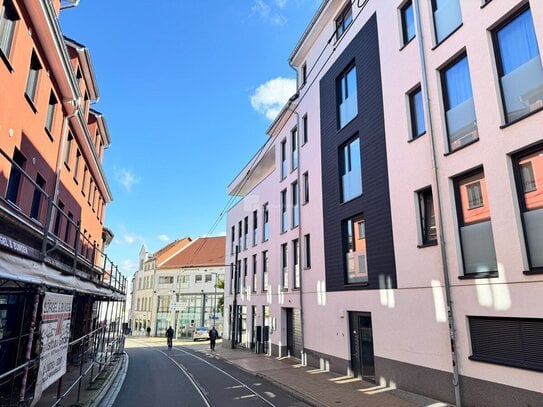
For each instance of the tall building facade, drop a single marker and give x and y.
(178, 286)
(53, 190)
(399, 193)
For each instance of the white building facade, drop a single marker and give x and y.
(412, 258)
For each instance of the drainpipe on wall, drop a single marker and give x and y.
(439, 219)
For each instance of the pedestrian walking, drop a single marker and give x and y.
(169, 337)
(148, 331)
(213, 335)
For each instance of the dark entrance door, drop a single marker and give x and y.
(294, 332)
(362, 360)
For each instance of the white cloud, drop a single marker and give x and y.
(270, 97)
(164, 238)
(266, 12)
(131, 238)
(126, 178)
(128, 267)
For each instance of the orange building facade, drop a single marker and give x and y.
(53, 189)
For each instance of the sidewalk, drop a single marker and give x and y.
(315, 387)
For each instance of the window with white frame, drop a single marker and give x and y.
(255, 228)
(296, 262)
(265, 269)
(294, 148)
(50, 113)
(284, 266)
(265, 223)
(283, 149)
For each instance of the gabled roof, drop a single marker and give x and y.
(204, 251)
(170, 250)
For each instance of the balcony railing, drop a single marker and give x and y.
(447, 18)
(53, 233)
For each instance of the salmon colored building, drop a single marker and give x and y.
(53, 189)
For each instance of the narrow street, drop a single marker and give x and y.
(183, 375)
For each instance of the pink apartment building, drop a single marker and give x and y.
(391, 226)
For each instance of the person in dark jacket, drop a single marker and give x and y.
(169, 337)
(213, 335)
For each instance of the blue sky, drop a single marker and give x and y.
(188, 89)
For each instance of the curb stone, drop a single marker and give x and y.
(115, 380)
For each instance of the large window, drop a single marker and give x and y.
(512, 342)
(344, 20)
(307, 251)
(529, 177)
(245, 233)
(284, 213)
(255, 228)
(354, 234)
(447, 17)
(284, 266)
(265, 223)
(8, 19)
(283, 159)
(15, 174)
(459, 106)
(265, 268)
(477, 242)
(296, 262)
(253, 283)
(351, 170)
(408, 22)
(39, 194)
(427, 217)
(519, 66)
(32, 80)
(306, 188)
(347, 101)
(416, 110)
(294, 148)
(50, 113)
(295, 204)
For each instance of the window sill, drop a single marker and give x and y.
(504, 126)
(448, 36)
(488, 274)
(429, 244)
(534, 271)
(460, 148)
(502, 362)
(307, 268)
(31, 103)
(407, 43)
(5, 58)
(416, 138)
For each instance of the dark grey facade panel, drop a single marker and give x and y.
(374, 203)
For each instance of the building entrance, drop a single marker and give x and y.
(362, 358)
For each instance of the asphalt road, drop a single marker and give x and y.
(157, 376)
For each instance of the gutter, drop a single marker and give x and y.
(439, 219)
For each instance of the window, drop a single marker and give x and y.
(84, 181)
(14, 182)
(240, 233)
(197, 278)
(265, 268)
(208, 278)
(8, 19)
(475, 224)
(50, 114)
(245, 233)
(307, 251)
(32, 80)
(283, 159)
(408, 22)
(344, 20)
(294, 148)
(512, 342)
(306, 187)
(265, 223)
(255, 228)
(253, 286)
(459, 107)
(232, 274)
(69, 225)
(304, 129)
(169, 279)
(447, 17)
(233, 239)
(76, 165)
(296, 262)
(427, 217)
(519, 66)
(416, 109)
(529, 181)
(244, 286)
(351, 170)
(68, 149)
(284, 214)
(58, 217)
(347, 98)
(304, 74)
(354, 233)
(39, 191)
(295, 206)
(284, 266)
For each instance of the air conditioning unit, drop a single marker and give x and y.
(465, 139)
(538, 104)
